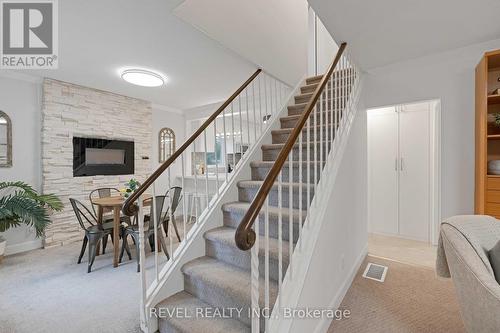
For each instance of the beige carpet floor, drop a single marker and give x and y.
(403, 250)
(46, 291)
(412, 299)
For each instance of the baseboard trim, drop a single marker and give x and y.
(23, 247)
(323, 326)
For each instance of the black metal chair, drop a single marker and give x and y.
(174, 203)
(104, 192)
(133, 231)
(94, 232)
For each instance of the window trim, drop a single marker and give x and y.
(9, 140)
(161, 147)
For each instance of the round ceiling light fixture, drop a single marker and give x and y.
(142, 77)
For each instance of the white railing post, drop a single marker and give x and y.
(280, 232)
(171, 221)
(255, 311)
(266, 266)
(241, 129)
(142, 259)
(184, 208)
(206, 168)
(290, 212)
(152, 215)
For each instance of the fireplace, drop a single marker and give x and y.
(93, 156)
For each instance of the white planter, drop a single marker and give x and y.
(3, 244)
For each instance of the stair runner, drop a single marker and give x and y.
(216, 295)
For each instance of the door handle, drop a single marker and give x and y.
(396, 164)
(402, 164)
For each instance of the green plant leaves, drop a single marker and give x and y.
(21, 204)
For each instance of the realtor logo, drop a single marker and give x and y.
(29, 34)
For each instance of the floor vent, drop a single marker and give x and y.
(375, 272)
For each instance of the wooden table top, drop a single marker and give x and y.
(115, 201)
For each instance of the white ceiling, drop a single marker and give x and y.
(382, 32)
(271, 34)
(97, 38)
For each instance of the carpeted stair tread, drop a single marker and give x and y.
(271, 152)
(233, 213)
(310, 88)
(297, 116)
(292, 121)
(305, 98)
(337, 73)
(279, 146)
(289, 130)
(220, 245)
(225, 235)
(242, 207)
(314, 79)
(298, 109)
(260, 170)
(281, 135)
(190, 322)
(258, 183)
(248, 189)
(267, 164)
(222, 285)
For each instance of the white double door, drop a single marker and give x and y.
(399, 146)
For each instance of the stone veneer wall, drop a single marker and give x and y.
(70, 110)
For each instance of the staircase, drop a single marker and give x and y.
(221, 279)
(259, 253)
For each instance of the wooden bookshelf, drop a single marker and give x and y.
(487, 187)
(493, 99)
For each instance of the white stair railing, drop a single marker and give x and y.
(332, 108)
(208, 160)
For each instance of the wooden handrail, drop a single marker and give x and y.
(245, 236)
(129, 208)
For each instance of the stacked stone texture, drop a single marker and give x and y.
(71, 110)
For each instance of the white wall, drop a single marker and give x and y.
(270, 34)
(343, 238)
(447, 76)
(321, 48)
(21, 101)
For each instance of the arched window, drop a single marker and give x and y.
(5, 141)
(166, 144)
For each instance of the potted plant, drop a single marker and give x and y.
(130, 188)
(21, 204)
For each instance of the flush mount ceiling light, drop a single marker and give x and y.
(142, 77)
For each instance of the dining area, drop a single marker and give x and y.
(101, 219)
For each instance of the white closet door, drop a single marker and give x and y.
(414, 178)
(382, 173)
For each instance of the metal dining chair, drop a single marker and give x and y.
(133, 231)
(104, 192)
(94, 232)
(174, 203)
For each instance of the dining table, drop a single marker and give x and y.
(114, 204)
